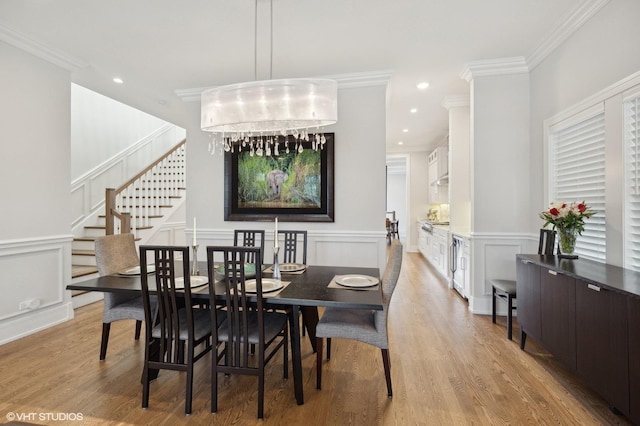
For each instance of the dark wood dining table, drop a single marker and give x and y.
(304, 293)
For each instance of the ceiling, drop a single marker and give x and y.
(159, 47)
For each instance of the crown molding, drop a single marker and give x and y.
(569, 25)
(490, 67)
(345, 81)
(38, 49)
(454, 101)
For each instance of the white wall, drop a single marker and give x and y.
(356, 237)
(35, 238)
(418, 195)
(101, 128)
(601, 53)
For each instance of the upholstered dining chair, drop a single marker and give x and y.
(360, 324)
(181, 335)
(250, 238)
(506, 289)
(116, 253)
(245, 323)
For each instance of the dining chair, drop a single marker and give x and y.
(250, 238)
(246, 323)
(181, 334)
(360, 324)
(116, 253)
(295, 242)
(506, 289)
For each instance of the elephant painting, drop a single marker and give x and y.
(275, 178)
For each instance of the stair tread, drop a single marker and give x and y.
(82, 270)
(83, 252)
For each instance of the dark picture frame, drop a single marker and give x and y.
(295, 187)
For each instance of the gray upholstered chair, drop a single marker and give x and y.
(360, 324)
(116, 253)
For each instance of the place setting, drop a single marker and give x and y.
(354, 282)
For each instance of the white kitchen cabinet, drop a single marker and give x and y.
(438, 176)
(462, 266)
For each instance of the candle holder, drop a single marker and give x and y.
(276, 266)
(194, 266)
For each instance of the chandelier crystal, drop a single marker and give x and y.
(257, 112)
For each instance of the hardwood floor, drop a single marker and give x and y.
(449, 367)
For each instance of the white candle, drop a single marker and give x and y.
(275, 234)
(194, 231)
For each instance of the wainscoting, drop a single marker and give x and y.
(34, 277)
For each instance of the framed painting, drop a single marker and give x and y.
(296, 185)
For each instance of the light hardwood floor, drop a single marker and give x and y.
(449, 367)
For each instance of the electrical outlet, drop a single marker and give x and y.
(24, 305)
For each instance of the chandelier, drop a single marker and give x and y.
(259, 115)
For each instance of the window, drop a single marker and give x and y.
(632, 181)
(577, 160)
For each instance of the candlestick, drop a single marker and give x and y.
(276, 266)
(195, 243)
(194, 262)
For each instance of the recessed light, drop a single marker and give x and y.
(423, 85)
(405, 130)
(413, 110)
(118, 80)
(400, 142)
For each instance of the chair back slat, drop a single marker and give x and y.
(294, 242)
(250, 238)
(240, 310)
(170, 263)
(547, 241)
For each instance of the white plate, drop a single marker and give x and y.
(292, 267)
(136, 270)
(357, 281)
(268, 285)
(196, 281)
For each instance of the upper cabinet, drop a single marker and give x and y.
(439, 176)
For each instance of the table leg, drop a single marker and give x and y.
(296, 353)
(310, 321)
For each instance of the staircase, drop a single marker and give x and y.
(140, 206)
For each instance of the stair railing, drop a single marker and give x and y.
(142, 197)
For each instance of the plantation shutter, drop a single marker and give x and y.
(632, 181)
(577, 159)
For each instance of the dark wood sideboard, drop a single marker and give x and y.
(587, 314)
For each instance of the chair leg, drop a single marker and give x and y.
(493, 304)
(189, 390)
(145, 386)
(509, 316)
(214, 379)
(286, 353)
(261, 393)
(387, 370)
(138, 328)
(319, 363)
(328, 348)
(106, 327)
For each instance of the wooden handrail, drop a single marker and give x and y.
(111, 210)
(139, 175)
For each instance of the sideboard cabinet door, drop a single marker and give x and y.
(602, 342)
(558, 315)
(528, 290)
(633, 314)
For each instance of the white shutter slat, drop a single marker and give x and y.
(632, 182)
(578, 173)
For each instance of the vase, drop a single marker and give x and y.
(567, 243)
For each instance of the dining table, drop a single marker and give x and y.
(303, 292)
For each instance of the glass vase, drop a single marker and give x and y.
(567, 243)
